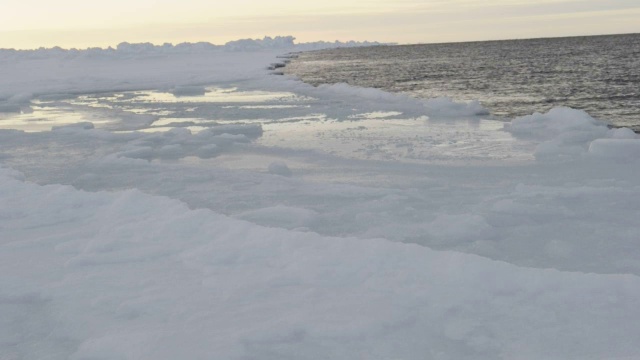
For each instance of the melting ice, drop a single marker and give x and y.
(192, 205)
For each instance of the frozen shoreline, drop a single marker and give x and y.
(227, 211)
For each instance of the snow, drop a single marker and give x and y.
(628, 149)
(181, 202)
(145, 276)
(562, 131)
(279, 168)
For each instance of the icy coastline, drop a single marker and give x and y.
(191, 205)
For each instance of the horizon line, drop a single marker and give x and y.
(373, 42)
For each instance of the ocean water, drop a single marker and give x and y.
(598, 74)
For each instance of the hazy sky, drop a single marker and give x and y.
(85, 23)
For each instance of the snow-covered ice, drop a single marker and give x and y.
(184, 202)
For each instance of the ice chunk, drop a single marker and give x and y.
(622, 133)
(561, 122)
(563, 133)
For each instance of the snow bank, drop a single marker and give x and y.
(145, 49)
(568, 133)
(621, 145)
(279, 42)
(561, 123)
(183, 67)
(82, 74)
(127, 275)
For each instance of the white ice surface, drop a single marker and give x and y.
(127, 276)
(218, 211)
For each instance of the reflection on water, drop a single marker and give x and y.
(44, 117)
(210, 95)
(287, 120)
(195, 112)
(408, 140)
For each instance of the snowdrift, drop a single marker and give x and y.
(127, 275)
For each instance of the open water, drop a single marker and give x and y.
(598, 74)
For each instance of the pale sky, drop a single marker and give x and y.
(87, 23)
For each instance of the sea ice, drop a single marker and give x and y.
(256, 217)
(139, 276)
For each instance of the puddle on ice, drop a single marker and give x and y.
(208, 95)
(289, 121)
(408, 140)
(108, 108)
(43, 117)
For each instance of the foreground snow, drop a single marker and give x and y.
(128, 275)
(224, 212)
